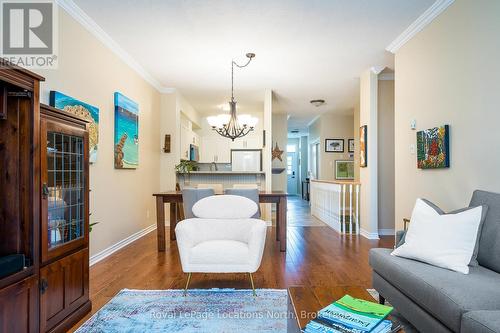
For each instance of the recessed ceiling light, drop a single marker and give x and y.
(317, 102)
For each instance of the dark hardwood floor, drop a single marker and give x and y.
(316, 256)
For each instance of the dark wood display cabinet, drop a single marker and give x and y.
(44, 186)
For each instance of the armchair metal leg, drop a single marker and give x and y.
(187, 284)
(253, 286)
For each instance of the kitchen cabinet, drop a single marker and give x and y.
(251, 141)
(188, 137)
(215, 149)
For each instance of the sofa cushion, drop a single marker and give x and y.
(489, 241)
(443, 240)
(473, 261)
(481, 322)
(443, 293)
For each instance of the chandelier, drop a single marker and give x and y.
(230, 125)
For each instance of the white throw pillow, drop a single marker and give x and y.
(225, 207)
(445, 241)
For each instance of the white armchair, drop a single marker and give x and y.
(222, 238)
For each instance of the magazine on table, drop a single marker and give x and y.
(352, 315)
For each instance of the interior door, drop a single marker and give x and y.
(292, 172)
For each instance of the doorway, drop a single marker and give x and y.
(292, 168)
(314, 160)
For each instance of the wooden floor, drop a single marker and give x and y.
(316, 256)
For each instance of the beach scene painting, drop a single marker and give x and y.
(126, 132)
(81, 110)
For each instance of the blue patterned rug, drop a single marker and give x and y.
(201, 311)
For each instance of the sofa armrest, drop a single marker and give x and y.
(482, 321)
(400, 238)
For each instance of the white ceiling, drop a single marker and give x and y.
(306, 49)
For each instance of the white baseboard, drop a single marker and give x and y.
(369, 235)
(386, 232)
(121, 244)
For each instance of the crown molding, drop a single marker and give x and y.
(88, 23)
(313, 120)
(420, 23)
(377, 69)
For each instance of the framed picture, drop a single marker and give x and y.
(350, 145)
(82, 110)
(344, 170)
(433, 148)
(363, 146)
(126, 132)
(334, 145)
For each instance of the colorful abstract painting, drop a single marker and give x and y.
(433, 150)
(126, 132)
(82, 110)
(363, 145)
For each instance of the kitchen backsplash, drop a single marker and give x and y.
(220, 166)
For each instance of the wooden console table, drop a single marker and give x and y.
(175, 197)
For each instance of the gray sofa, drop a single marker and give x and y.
(438, 300)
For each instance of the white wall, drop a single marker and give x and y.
(279, 134)
(368, 176)
(331, 126)
(121, 200)
(386, 157)
(449, 74)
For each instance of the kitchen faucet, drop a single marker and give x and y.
(214, 165)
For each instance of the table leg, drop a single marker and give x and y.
(173, 219)
(160, 224)
(282, 223)
(277, 221)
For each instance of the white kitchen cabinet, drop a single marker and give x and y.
(207, 149)
(247, 142)
(215, 149)
(223, 151)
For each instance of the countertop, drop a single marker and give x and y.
(224, 172)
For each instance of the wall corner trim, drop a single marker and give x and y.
(121, 244)
(369, 235)
(386, 232)
(420, 23)
(88, 23)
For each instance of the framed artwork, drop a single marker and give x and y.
(363, 146)
(82, 110)
(433, 148)
(334, 145)
(350, 145)
(126, 132)
(344, 170)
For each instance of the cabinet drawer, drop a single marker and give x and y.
(64, 286)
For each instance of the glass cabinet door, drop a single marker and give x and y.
(64, 189)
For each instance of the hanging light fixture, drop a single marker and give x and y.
(230, 125)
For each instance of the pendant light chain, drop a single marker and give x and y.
(233, 129)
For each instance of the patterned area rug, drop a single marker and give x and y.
(201, 311)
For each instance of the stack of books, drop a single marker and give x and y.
(352, 315)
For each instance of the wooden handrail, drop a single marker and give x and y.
(336, 182)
